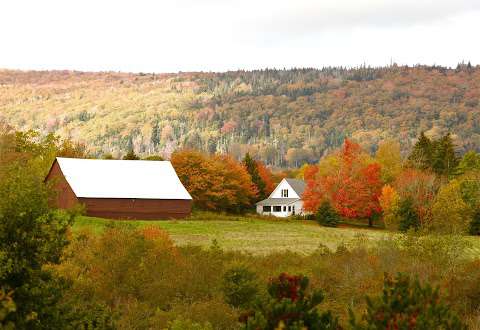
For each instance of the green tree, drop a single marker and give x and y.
(240, 287)
(289, 306)
(326, 215)
(444, 158)
(422, 153)
(32, 235)
(252, 169)
(474, 228)
(131, 155)
(407, 215)
(450, 212)
(407, 305)
(155, 137)
(469, 162)
(154, 157)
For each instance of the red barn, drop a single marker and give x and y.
(120, 189)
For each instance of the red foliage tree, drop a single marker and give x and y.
(353, 188)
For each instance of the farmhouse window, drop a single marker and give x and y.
(267, 208)
(289, 208)
(284, 209)
(277, 209)
(284, 192)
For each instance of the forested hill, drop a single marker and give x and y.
(284, 117)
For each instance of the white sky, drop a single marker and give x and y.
(220, 35)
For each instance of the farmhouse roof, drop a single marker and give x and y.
(297, 185)
(278, 201)
(95, 178)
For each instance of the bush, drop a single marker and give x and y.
(290, 307)
(240, 287)
(408, 215)
(327, 216)
(406, 304)
(475, 224)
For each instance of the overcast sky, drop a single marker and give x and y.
(220, 35)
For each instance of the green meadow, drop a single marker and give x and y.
(253, 234)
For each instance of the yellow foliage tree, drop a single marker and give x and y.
(389, 157)
(450, 212)
(389, 201)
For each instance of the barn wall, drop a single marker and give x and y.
(142, 209)
(64, 196)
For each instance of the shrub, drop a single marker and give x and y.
(475, 224)
(290, 307)
(327, 216)
(182, 324)
(131, 155)
(406, 304)
(408, 215)
(240, 287)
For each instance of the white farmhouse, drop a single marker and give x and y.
(285, 200)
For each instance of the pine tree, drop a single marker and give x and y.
(257, 180)
(327, 216)
(408, 215)
(290, 305)
(407, 304)
(421, 155)
(444, 158)
(155, 137)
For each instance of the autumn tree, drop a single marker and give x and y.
(252, 169)
(353, 187)
(216, 182)
(469, 162)
(419, 186)
(389, 202)
(450, 212)
(267, 176)
(390, 160)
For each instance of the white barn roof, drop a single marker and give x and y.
(95, 178)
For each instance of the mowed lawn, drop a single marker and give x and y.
(253, 234)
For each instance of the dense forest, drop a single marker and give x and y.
(282, 117)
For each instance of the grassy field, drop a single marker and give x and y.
(253, 234)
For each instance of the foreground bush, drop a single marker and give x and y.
(406, 304)
(289, 306)
(240, 287)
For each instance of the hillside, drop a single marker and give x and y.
(285, 117)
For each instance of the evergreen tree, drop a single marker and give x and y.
(407, 304)
(444, 158)
(327, 216)
(475, 223)
(155, 137)
(257, 180)
(131, 155)
(407, 215)
(289, 306)
(421, 155)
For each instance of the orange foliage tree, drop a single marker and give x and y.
(267, 177)
(353, 188)
(216, 183)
